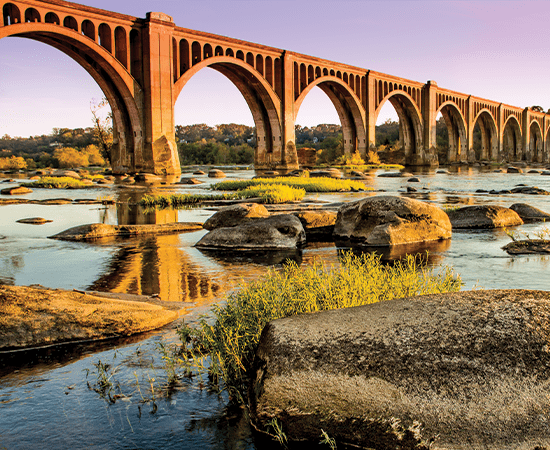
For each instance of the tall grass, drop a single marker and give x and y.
(57, 183)
(267, 194)
(230, 340)
(315, 184)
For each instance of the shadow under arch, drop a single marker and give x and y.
(349, 109)
(489, 136)
(119, 87)
(536, 142)
(264, 104)
(410, 124)
(456, 130)
(511, 140)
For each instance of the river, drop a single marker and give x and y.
(47, 396)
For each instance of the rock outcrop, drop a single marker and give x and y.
(469, 369)
(484, 216)
(386, 220)
(231, 216)
(17, 190)
(529, 213)
(99, 230)
(31, 316)
(278, 232)
(216, 173)
(318, 224)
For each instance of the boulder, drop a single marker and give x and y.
(328, 173)
(545, 172)
(147, 178)
(530, 213)
(386, 220)
(271, 173)
(470, 370)
(413, 180)
(534, 171)
(234, 215)
(129, 180)
(395, 174)
(66, 173)
(35, 221)
(499, 171)
(198, 172)
(94, 231)
(216, 173)
(16, 190)
(528, 247)
(278, 232)
(529, 190)
(8, 180)
(189, 181)
(443, 171)
(513, 169)
(318, 224)
(484, 216)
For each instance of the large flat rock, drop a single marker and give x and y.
(99, 230)
(31, 317)
(473, 368)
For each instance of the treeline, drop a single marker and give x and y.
(62, 148)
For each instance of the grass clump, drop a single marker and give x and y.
(57, 183)
(273, 193)
(180, 200)
(230, 340)
(313, 184)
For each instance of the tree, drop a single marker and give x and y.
(103, 128)
(537, 108)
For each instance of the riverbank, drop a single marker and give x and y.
(33, 317)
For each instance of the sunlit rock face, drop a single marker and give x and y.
(234, 215)
(283, 231)
(484, 216)
(468, 370)
(386, 221)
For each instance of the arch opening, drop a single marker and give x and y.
(484, 146)
(536, 143)
(236, 83)
(451, 134)
(112, 83)
(409, 148)
(511, 141)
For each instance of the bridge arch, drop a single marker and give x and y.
(114, 80)
(456, 130)
(349, 109)
(536, 142)
(262, 100)
(511, 140)
(489, 136)
(410, 122)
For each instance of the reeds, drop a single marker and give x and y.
(315, 184)
(57, 183)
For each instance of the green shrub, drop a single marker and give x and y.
(314, 184)
(230, 340)
(57, 183)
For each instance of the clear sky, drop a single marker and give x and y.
(499, 50)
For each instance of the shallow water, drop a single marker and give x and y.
(45, 401)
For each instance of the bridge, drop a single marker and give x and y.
(142, 65)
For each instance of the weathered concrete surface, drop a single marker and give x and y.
(529, 213)
(386, 220)
(32, 317)
(472, 367)
(484, 216)
(278, 232)
(99, 230)
(231, 216)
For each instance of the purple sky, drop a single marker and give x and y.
(499, 50)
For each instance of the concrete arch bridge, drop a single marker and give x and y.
(142, 64)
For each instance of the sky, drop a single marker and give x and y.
(499, 50)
